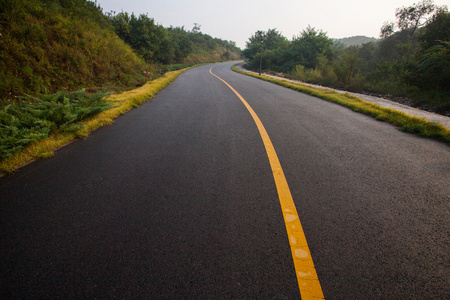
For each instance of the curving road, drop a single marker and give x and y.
(177, 200)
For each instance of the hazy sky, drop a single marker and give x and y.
(237, 20)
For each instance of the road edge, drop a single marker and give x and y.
(122, 103)
(401, 120)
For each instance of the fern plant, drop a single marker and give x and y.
(22, 123)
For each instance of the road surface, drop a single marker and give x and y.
(177, 200)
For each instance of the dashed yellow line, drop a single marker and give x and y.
(308, 282)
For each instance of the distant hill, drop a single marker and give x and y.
(355, 40)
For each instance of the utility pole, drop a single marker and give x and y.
(260, 61)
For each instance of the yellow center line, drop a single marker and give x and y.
(308, 281)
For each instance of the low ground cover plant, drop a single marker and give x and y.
(30, 119)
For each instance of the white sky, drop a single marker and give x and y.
(237, 20)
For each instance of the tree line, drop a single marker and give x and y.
(411, 58)
(171, 45)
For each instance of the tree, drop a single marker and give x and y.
(149, 40)
(306, 48)
(411, 18)
(414, 16)
(387, 29)
(121, 24)
(181, 43)
(367, 53)
(434, 67)
(196, 28)
(146, 36)
(437, 29)
(254, 44)
(346, 66)
(272, 41)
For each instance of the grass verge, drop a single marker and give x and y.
(122, 103)
(404, 122)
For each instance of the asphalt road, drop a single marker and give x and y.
(176, 200)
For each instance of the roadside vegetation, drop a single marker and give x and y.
(411, 60)
(27, 130)
(33, 119)
(399, 119)
(60, 59)
(51, 45)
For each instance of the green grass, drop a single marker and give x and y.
(120, 103)
(399, 119)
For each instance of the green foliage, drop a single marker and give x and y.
(437, 29)
(52, 45)
(410, 18)
(182, 44)
(144, 36)
(414, 16)
(323, 74)
(270, 40)
(434, 67)
(283, 55)
(156, 44)
(306, 48)
(413, 62)
(346, 67)
(19, 128)
(32, 119)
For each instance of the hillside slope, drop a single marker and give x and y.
(52, 45)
